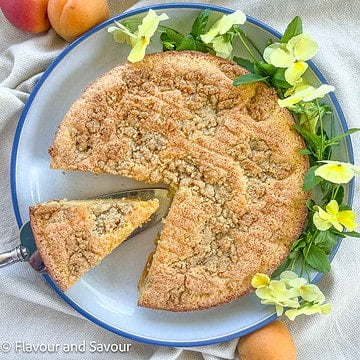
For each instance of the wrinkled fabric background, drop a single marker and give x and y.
(30, 311)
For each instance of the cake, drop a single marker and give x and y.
(229, 153)
(73, 236)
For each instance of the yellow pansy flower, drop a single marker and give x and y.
(308, 310)
(223, 25)
(292, 56)
(260, 280)
(305, 93)
(288, 292)
(274, 292)
(141, 38)
(337, 172)
(324, 220)
(308, 292)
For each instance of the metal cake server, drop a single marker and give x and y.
(27, 251)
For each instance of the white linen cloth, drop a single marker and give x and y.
(30, 311)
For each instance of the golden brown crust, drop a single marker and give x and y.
(73, 236)
(175, 117)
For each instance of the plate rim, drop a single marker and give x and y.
(18, 131)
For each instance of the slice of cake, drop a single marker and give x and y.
(74, 236)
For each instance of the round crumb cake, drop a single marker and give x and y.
(229, 152)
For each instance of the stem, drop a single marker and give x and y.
(335, 191)
(302, 268)
(245, 45)
(251, 43)
(293, 262)
(321, 150)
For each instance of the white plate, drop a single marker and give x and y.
(108, 294)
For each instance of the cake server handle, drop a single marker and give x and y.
(20, 253)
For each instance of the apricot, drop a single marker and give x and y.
(27, 15)
(272, 342)
(72, 18)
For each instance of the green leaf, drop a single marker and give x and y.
(352, 234)
(326, 240)
(265, 69)
(281, 268)
(188, 43)
(171, 39)
(245, 63)
(310, 204)
(248, 78)
(345, 207)
(317, 259)
(200, 46)
(293, 29)
(200, 23)
(295, 244)
(168, 45)
(335, 140)
(174, 36)
(305, 152)
(312, 139)
(279, 79)
(310, 180)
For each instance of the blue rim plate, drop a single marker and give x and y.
(14, 181)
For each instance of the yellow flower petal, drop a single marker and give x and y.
(120, 37)
(335, 172)
(277, 286)
(291, 314)
(323, 214)
(288, 275)
(311, 292)
(347, 218)
(150, 23)
(321, 224)
(325, 309)
(297, 283)
(319, 92)
(311, 309)
(293, 303)
(222, 48)
(264, 293)
(277, 55)
(332, 207)
(293, 73)
(121, 33)
(279, 310)
(297, 96)
(305, 93)
(260, 280)
(302, 47)
(227, 21)
(337, 225)
(137, 53)
(223, 25)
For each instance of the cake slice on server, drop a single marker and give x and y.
(73, 236)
